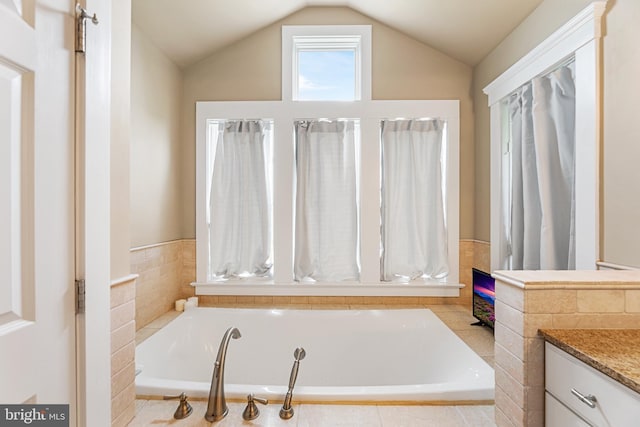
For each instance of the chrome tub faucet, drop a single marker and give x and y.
(217, 407)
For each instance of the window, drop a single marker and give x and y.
(326, 75)
(326, 63)
(351, 194)
(326, 215)
(335, 182)
(414, 192)
(239, 188)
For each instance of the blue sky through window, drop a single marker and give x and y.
(326, 75)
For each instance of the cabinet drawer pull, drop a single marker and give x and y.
(589, 400)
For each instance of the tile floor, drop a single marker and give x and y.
(480, 339)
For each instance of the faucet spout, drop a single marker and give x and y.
(217, 407)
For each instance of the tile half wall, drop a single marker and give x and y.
(167, 269)
(123, 333)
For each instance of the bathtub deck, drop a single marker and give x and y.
(160, 413)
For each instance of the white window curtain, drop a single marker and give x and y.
(239, 227)
(542, 117)
(326, 216)
(414, 231)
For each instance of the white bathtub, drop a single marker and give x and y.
(351, 355)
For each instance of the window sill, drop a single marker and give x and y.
(329, 289)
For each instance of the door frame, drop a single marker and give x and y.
(578, 38)
(93, 89)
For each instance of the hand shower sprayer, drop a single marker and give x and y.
(287, 410)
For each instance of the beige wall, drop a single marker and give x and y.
(620, 233)
(163, 158)
(402, 68)
(120, 137)
(156, 96)
(621, 151)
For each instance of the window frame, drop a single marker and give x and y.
(370, 113)
(579, 39)
(326, 38)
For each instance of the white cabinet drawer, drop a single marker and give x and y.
(615, 405)
(557, 415)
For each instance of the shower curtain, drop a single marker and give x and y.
(542, 117)
(414, 232)
(326, 215)
(239, 232)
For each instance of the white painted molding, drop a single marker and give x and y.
(283, 114)
(577, 32)
(24, 54)
(576, 39)
(497, 248)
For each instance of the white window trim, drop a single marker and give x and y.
(331, 35)
(578, 38)
(370, 113)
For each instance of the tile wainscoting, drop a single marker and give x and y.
(166, 271)
(123, 345)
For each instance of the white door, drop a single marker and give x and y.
(54, 223)
(37, 318)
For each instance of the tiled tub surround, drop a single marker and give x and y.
(527, 301)
(123, 333)
(166, 271)
(457, 318)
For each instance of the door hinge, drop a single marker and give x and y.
(80, 294)
(81, 27)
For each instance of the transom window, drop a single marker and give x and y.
(326, 63)
(326, 69)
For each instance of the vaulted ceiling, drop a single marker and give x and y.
(467, 30)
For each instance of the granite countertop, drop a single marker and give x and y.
(614, 352)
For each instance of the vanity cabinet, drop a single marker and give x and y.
(556, 414)
(578, 395)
